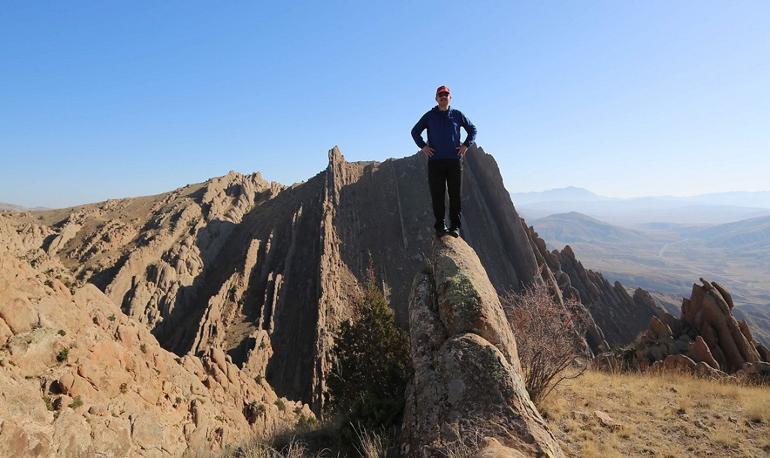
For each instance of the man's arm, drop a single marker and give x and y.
(421, 125)
(470, 129)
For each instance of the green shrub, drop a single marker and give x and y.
(77, 402)
(48, 403)
(371, 365)
(63, 355)
(253, 410)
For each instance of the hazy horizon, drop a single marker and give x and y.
(33, 207)
(625, 99)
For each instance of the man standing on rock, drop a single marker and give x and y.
(445, 154)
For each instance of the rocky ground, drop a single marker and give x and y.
(666, 415)
(78, 377)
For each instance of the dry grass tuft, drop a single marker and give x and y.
(370, 443)
(258, 450)
(666, 414)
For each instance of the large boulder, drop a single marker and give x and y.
(467, 384)
(706, 339)
(709, 311)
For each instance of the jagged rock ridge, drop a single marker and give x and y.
(237, 260)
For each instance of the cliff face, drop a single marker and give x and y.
(237, 260)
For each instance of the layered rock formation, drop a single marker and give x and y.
(620, 316)
(78, 377)
(613, 314)
(467, 386)
(706, 339)
(237, 261)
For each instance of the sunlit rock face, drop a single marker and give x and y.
(78, 377)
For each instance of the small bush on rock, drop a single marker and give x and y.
(63, 355)
(548, 336)
(77, 402)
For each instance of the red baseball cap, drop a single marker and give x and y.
(442, 89)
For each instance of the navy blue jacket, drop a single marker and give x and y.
(444, 132)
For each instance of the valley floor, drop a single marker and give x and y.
(667, 415)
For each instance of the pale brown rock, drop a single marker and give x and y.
(114, 391)
(607, 421)
(699, 351)
(466, 300)
(708, 312)
(679, 363)
(660, 329)
(720, 343)
(492, 448)
(755, 372)
(467, 377)
(5, 332)
(16, 312)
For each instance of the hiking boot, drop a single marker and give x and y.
(454, 232)
(441, 231)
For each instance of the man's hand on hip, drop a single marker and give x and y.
(427, 151)
(461, 150)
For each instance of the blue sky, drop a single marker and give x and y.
(626, 98)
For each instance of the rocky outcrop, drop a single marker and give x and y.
(706, 339)
(568, 295)
(620, 316)
(80, 378)
(467, 383)
(237, 260)
(709, 313)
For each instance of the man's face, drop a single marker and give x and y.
(443, 99)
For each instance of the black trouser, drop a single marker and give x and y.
(443, 172)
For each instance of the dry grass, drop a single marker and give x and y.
(659, 415)
(259, 450)
(319, 441)
(664, 415)
(370, 443)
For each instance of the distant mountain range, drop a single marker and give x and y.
(668, 258)
(705, 209)
(6, 206)
(13, 207)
